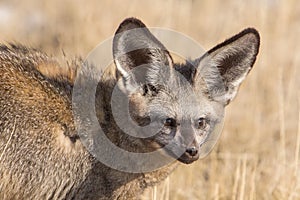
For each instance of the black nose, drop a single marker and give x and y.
(192, 151)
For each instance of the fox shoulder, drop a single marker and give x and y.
(25, 83)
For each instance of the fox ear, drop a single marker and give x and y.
(135, 47)
(223, 68)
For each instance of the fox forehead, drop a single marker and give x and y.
(181, 100)
(195, 105)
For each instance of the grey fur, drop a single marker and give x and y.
(41, 154)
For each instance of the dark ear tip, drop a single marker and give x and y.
(249, 31)
(253, 32)
(130, 23)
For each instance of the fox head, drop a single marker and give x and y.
(181, 105)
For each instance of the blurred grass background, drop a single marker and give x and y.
(257, 156)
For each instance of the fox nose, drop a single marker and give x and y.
(192, 151)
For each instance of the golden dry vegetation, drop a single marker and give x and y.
(257, 156)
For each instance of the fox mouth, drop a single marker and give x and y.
(184, 158)
(187, 159)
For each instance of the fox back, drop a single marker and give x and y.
(144, 102)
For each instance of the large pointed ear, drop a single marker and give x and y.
(223, 68)
(135, 46)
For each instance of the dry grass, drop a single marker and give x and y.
(258, 154)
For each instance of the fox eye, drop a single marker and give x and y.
(170, 122)
(202, 123)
